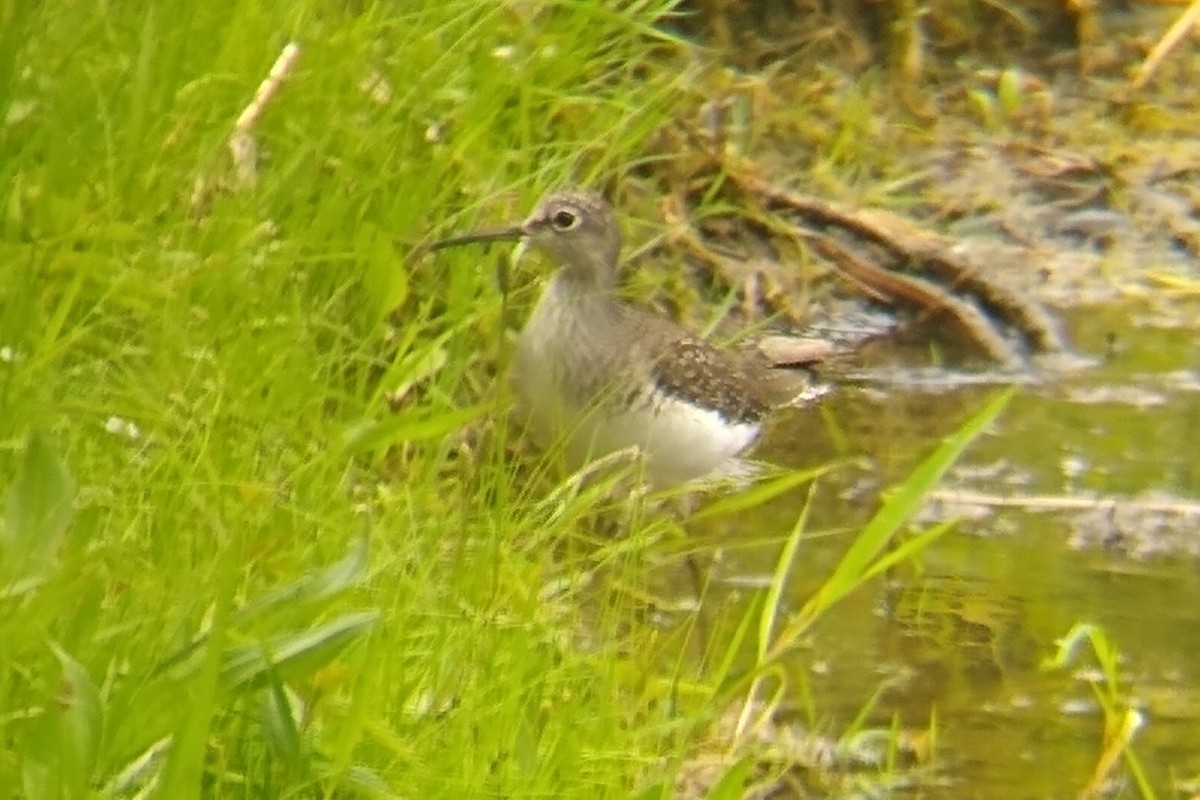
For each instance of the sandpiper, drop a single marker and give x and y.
(596, 375)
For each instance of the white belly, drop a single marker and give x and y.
(678, 442)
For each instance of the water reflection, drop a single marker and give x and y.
(1112, 541)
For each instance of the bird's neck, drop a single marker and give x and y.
(581, 300)
(574, 335)
(572, 286)
(587, 273)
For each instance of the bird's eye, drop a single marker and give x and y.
(564, 220)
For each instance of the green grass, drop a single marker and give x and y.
(264, 535)
(1122, 718)
(253, 338)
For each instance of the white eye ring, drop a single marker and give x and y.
(564, 220)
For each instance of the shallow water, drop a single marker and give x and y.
(1082, 505)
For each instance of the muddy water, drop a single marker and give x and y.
(1081, 506)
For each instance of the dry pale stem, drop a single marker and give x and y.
(1174, 35)
(242, 145)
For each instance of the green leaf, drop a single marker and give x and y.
(192, 721)
(899, 507)
(61, 747)
(37, 511)
(985, 105)
(407, 426)
(1070, 645)
(760, 493)
(385, 271)
(40, 777)
(733, 648)
(313, 588)
(140, 772)
(863, 559)
(656, 791)
(771, 609)
(279, 724)
(1009, 92)
(294, 655)
(81, 722)
(733, 782)
(358, 777)
(308, 590)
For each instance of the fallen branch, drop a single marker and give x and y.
(923, 250)
(924, 294)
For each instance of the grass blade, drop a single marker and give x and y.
(759, 493)
(862, 560)
(38, 509)
(294, 655)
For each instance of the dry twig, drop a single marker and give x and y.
(1174, 35)
(242, 145)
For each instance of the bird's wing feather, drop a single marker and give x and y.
(722, 380)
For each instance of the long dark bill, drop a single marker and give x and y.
(514, 232)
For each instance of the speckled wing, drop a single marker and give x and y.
(725, 382)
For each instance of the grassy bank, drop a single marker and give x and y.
(266, 532)
(263, 537)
